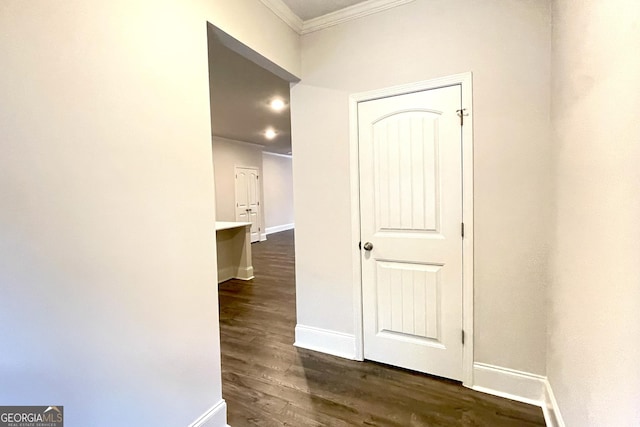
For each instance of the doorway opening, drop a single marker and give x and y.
(251, 124)
(252, 162)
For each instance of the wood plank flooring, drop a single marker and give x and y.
(266, 381)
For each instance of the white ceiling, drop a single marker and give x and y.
(309, 9)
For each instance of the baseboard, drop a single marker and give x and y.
(216, 416)
(509, 383)
(520, 386)
(279, 228)
(263, 236)
(227, 273)
(550, 408)
(326, 341)
(244, 273)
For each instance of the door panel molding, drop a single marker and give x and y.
(465, 81)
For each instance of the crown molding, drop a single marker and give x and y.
(253, 145)
(271, 153)
(349, 14)
(218, 138)
(283, 12)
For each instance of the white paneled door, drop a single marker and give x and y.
(410, 149)
(248, 199)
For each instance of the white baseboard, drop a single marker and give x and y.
(550, 408)
(244, 273)
(231, 272)
(326, 341)
(225, 274)
(520, 386)
(216, 416)
(509, 383)
(279, 228)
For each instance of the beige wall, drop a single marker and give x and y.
(278, 190)
(594, 315)
(506, 44)
(107, 256)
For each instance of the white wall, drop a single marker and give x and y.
(254, 25)
(278, 191)
(322, 203)
(594, 316)
(506, 44)
(107, 255)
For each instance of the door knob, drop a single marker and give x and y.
(368, 246)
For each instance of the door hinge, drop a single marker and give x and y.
(463, 336)
(462, 113)
(462, 229)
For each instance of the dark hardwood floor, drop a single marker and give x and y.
(266, 381)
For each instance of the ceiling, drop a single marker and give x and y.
(241, 92)
(309, 9)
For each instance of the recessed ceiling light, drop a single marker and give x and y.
(277, 104)
(270, 133)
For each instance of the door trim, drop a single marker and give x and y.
(465, 80)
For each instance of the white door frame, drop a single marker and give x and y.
(465, 81)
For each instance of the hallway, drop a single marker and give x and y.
(268, 382)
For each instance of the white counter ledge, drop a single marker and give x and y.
(225, 225)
